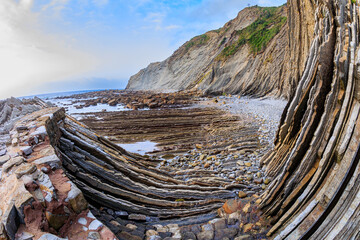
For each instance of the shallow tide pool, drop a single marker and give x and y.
(139, 147)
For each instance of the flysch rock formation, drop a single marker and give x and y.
(315, 169)
(315, 164)
(37, 199)
(248, 55)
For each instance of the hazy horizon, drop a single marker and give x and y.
(71, 45)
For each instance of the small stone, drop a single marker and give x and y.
(230, 206)
(242, 194)
(95, 225)
(239, 179)
(151, 233)
(188, 236)
(243, 237)
(258, 180)
(198, 146)
(207, 164)
(240, 163)
(226, 233)
(131, 226)
(206, 235)
(247, 227)
(219, 223)
(263, 186)
(121, 214)
(258, 174)
(266, 181)
(27, 150)
(217, 164)
(76, 199)
(154, 237)
(248, 164)
(202, 157)
(249, 177)
(246, 208)
(161, 228)
(94, 236)
(258, 201)
(207, 227)
(4, 159)
(232, 176)
(14, 142)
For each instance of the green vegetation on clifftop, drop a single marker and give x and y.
(258, 34)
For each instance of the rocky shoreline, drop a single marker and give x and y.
(218, 172)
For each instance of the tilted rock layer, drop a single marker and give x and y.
(315, 193)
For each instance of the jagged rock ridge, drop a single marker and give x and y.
(315, 164)
(247, 56)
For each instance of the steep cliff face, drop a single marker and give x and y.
(315, 164)
(246, 56)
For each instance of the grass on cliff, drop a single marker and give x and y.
(258, 34)
(197, 41)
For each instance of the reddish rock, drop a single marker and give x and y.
(230, 206)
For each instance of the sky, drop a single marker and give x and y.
(64, 45)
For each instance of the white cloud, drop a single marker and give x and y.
(29, 57)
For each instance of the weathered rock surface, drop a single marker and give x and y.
(36, 202)
(315, 164)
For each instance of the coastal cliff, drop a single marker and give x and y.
(246, 56)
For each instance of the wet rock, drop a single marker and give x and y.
(206, 235)
(138, 217)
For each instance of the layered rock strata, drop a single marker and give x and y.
(315, 193)
(37, 199)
